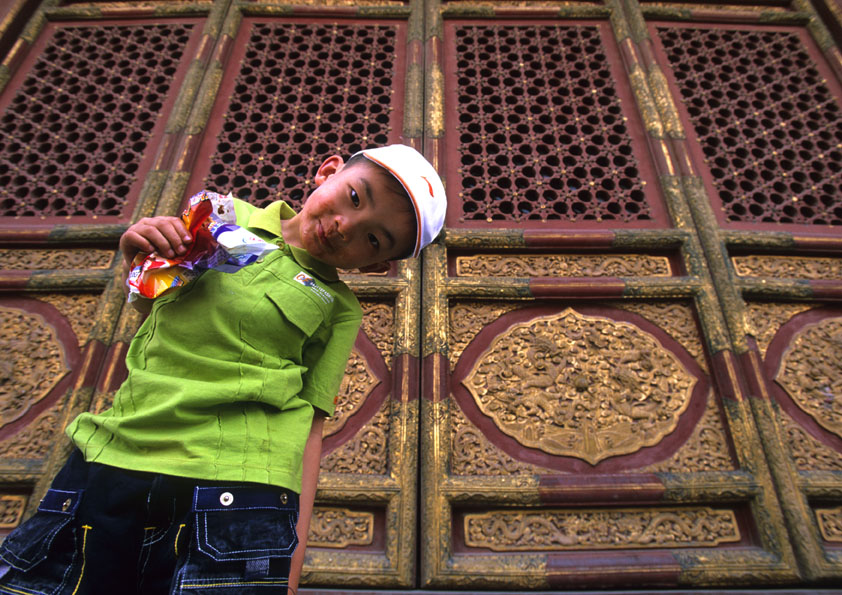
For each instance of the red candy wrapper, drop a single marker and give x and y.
(218, 243)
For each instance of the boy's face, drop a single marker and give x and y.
(353, 219)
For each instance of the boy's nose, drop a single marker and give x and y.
(344, 227)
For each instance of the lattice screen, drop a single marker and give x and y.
(769, 125)
(75, 131)
(541, 130)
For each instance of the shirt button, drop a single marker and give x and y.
(66, 504)
(284, 498)
(226, 499)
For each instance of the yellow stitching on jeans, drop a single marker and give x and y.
(13, 590)
(84, 543)
(175, 545)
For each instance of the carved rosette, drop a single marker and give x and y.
(340, 527)
(32, 364)
(581, 386)
(811, 372)
(830, 523)
(12, 507)
(601, 529)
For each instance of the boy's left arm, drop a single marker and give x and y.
(309, 479)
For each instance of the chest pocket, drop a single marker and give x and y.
(281, 321)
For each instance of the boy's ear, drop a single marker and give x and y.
(377, 267)
(330, 166)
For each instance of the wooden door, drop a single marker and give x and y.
(603, 374)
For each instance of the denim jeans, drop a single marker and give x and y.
(105, 530)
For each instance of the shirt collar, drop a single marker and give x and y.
(269, 219)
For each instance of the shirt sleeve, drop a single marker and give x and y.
(326, 363)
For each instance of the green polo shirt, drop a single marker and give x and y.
(224, 373)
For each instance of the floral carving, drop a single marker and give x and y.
(36, 440)
(705, 450)
(32, 364)
(764, 320)
(79, 309)
(467, 319)
(808, 453)
(581, 386)
(357, 384)
(473, 454)
(367, 453)
(379, 326)
(811, 372)
(675, 319)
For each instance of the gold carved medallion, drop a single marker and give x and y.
(811, 372)
(580, 386)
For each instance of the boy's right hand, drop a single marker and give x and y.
(168, 236)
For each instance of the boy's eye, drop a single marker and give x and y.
(374, 241)
(355, 198)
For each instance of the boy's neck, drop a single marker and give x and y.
(290, 230)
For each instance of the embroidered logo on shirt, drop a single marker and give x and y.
(308, 281)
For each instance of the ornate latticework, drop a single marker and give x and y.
(75, 132)
(768, 123)
(541, 131)
(303, 91)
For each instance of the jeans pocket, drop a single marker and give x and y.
(243, 539)
(30, 544)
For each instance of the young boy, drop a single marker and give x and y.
(202, 475)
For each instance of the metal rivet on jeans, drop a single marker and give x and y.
(284, 498)
(226, 499)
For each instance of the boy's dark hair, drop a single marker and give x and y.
(395, 186)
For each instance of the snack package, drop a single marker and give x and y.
(218, 243)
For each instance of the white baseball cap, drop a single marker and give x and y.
(421, 183)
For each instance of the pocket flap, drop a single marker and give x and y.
(299, 308)
(30, 543)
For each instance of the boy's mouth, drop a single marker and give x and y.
(320, 231)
